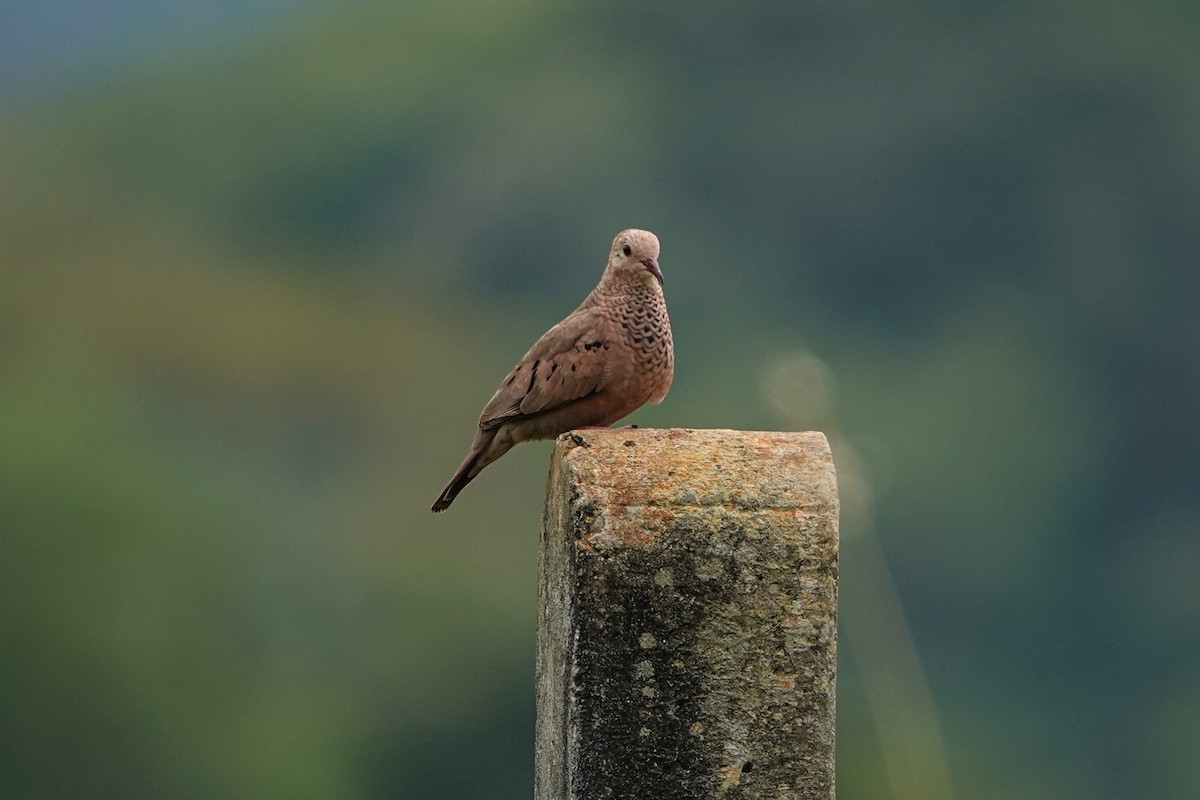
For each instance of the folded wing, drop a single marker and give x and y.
(565, 365)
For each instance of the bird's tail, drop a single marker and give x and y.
(456, 484)
(471, 466)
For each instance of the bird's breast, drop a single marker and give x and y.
(644, 332)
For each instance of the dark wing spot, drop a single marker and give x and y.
(572, 368)
(532, 377)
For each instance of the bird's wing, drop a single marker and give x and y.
(566, 364)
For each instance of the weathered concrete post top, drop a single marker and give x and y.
(687, 629)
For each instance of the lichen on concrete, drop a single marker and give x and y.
(687, 617)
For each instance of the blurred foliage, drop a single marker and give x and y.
(254, 296)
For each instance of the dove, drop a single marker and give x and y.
(610, 356)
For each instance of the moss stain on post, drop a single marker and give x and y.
(687, 617)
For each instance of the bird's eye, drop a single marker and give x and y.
(626, 250)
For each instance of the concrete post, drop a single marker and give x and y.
(687, 615)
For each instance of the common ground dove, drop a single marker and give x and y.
(611, 355)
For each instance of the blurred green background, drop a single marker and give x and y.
(262, 263)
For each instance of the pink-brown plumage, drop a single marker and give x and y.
(610, 356)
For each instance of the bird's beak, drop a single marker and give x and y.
(652, 265)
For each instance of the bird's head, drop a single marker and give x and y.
(634, 255)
